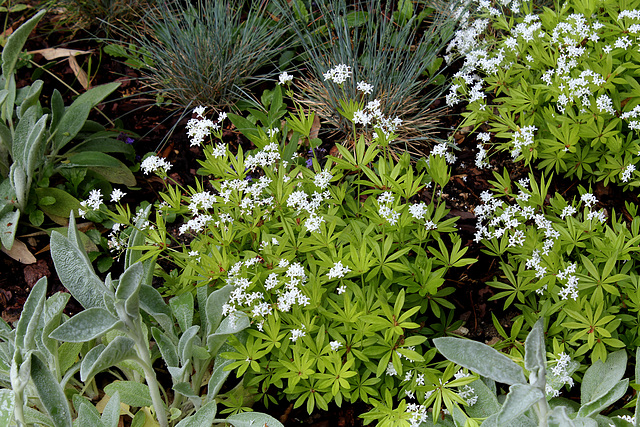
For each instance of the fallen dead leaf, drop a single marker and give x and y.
(52, 53)
(81, 75)
(20, 252)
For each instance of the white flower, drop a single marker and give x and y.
(117, 194)
(284, 78)
(95, 199)
(341, 289)
(335, 345)
(391, 370)
(297, 333)
(338, 74)
(365, 87)
(338, 270)
(628, 172)
(199, 111)
(322, 179)
(154, 163)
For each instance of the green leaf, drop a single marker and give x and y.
(215, 301)
(108, 167)
(111, 411)
(15, 43)
(535, 359)
(481, 358)
(88, 415)
(184, 388)
(202, 418)
(8, 227)
(74, 267)
(137, 238)
(487, 403)
(36, 218)
(129, 289)
(50, 393)
(519, 399)
(76, 115)
(85, 326)
(132, 393)
(612, 395)
(56, 202)
(601, 377)
(252, 419)
(167, 348)
(101, 358)
(218, 377)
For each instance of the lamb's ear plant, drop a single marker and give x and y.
(38, 142)
(41, 359)
(532, 403)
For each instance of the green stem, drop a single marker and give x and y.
(152, 382)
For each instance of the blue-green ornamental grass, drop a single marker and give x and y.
(557, 89)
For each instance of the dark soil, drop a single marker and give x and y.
(140, 114)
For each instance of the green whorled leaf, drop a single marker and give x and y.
(184, 388)
(203, 417)
(185, 349)
(613, 395)
(121, 348)
(218, 377)
(152, 303)
(7, 403)
(481, 358)
(64, 203)
(74, 268)
(15, 43)
(88, 415)
(129, 289)
(110, 168)
(182, 308)
(132, 393)
(136, 238)
(167, 347)
(487, 403)
(215, 301)
(111, 411)
(31, 98)
(519, 399)
(30, 316)
(601, 377)
(535, 353)
(53, 308)
(76, 115)
(86, 325)
(252, 419)
(50, 393)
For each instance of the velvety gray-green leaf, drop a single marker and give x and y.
(76, 115)
(8, 227)
(215, 301)
(601, 377)
(75, 270)
(203, 417)
(32, 416)
(16, 42)
(57, 109)
(86, 325)
(252, 419)
(35, 146)
(111, 411)
(121, 348)
(218, 377)
(481, 358)
(53, 308)
(88, 416)
(151, 302)
(487, 403)
(613, 395)
(535, 357)
(21, 135)
(131, 393)
(31, 98)
(7, 403)
(558, 417)
(585, 422)
(30, 316)
(6, 140)
(185, 343)
(129, 289)
(520, 398)
(184, 388)
(182, 308)
(50, 393)
(136, 238)
(166, 346)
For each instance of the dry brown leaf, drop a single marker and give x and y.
(58, 52)
(81, 75)
(20, 252)
(315, 127)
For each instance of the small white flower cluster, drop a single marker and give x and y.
(322, 179)
(297, 333)
(364, 87)
(466, 391)
(628, 172)
(605, 104)
(481, 157)
(338, 271)
(628, 418)
(338, 74)
(266, 157)
(117, 194)
(335, 345)
(199, 128)
(385, 200)
(523, 137)
(92, 203)
(372, 114)
(418, 414)
(633, 114)
(284, 78)
(571, 287)
(560, 374)
(441, 150)
(115, 243)
(155, 163)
